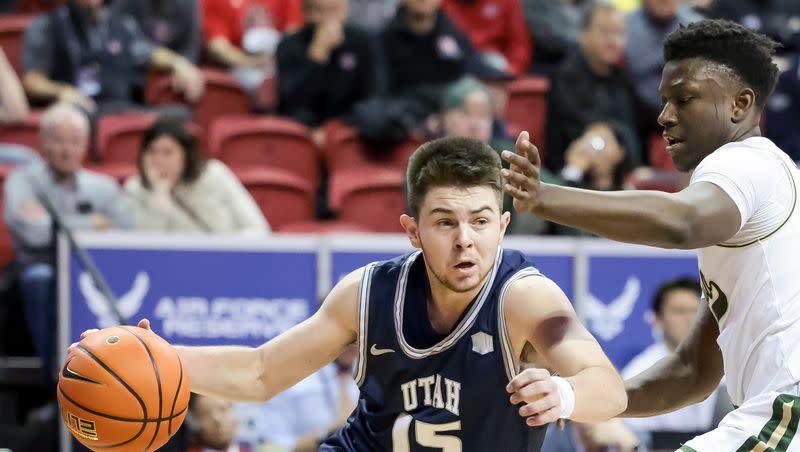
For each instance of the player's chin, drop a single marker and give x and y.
(463, 283)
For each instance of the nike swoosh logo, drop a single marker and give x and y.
(375, 351)
(67, 373)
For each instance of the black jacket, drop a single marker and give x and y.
(313, 93)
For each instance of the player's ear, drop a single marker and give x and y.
(412, 230)
(743, 103)
(505, 218)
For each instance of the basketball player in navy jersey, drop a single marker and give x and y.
(441, 332)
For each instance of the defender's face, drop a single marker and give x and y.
(459, 230)
(696, 116)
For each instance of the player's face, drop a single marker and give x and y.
(677, 315)
(697, 111)
(459, 230)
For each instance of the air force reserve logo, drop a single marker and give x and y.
(608, 320)
(128, 305)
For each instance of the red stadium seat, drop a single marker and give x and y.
(223, 96)
(120, 136)
(37, 6)
(6, 246)
(658, 155)
(371, 197)
(345, 149)
(12, 27)
(283, 197)
(670, 181)
(322, 227)
(527, 109)
(121, 172)
(25, 133)
(248, 141)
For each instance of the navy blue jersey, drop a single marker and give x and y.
(426, 391)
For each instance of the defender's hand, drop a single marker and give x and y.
(523, 179)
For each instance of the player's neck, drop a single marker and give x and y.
(445, 306)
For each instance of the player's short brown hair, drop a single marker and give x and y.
(451, 161)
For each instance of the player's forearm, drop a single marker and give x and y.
(591, 404)
(667, 386)
(231, 373)
(642, 217)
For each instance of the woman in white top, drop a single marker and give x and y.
(177, 191)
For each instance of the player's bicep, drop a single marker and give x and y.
(540, 311)
(710, 214)
(315, 342)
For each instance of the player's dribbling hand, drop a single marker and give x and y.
(537, 390)
(523, 179)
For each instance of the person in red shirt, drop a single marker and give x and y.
(497, 29)
(243, 34)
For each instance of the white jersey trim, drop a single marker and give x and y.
(511, 361)
(363, 323)
(458, 332)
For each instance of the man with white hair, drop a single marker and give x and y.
(83, 199)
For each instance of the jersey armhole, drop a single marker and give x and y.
(510, 360)
(363, 318)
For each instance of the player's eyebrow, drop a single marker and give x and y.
(449, 211)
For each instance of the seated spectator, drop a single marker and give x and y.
(778, 19)
(372, 15)
(211, 425)
(176, 191)
(85, 54)
(84, 200)
(13, 108)
(326, 66)
(299, 418)
(242, 35)
(675, 307)
(647, 28)
(592, 119)
(554, 26)
(783, 109)
(173, 24)
(496, 29)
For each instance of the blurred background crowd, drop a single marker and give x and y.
(253, 116)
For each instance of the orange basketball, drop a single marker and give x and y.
(123, 389)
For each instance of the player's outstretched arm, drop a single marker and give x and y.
(538, 312)
(687, 376)
(258, 374)
(701, 215)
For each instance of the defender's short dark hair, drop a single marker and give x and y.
(684, 283)
(451, 161)
(175, 128)
(747, 53)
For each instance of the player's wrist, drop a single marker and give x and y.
(566, 395)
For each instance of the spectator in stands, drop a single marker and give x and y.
(242, 35)
(779, 19)
(212, 425)
(554, 26)
(783, 109)
(326, 66)
(675, 306)
(85, 54)
(592, 122)
(173, 24)
(496, 29)
(299, 418)
(176, 191)
(83, 200)
(372, 15)
(647, 27)
(13, 108)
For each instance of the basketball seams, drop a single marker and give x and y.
(158, 381)
(116, 377)
(136, 436)
(117, 418)
(177, 392)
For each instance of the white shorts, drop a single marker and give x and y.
(766, 423)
